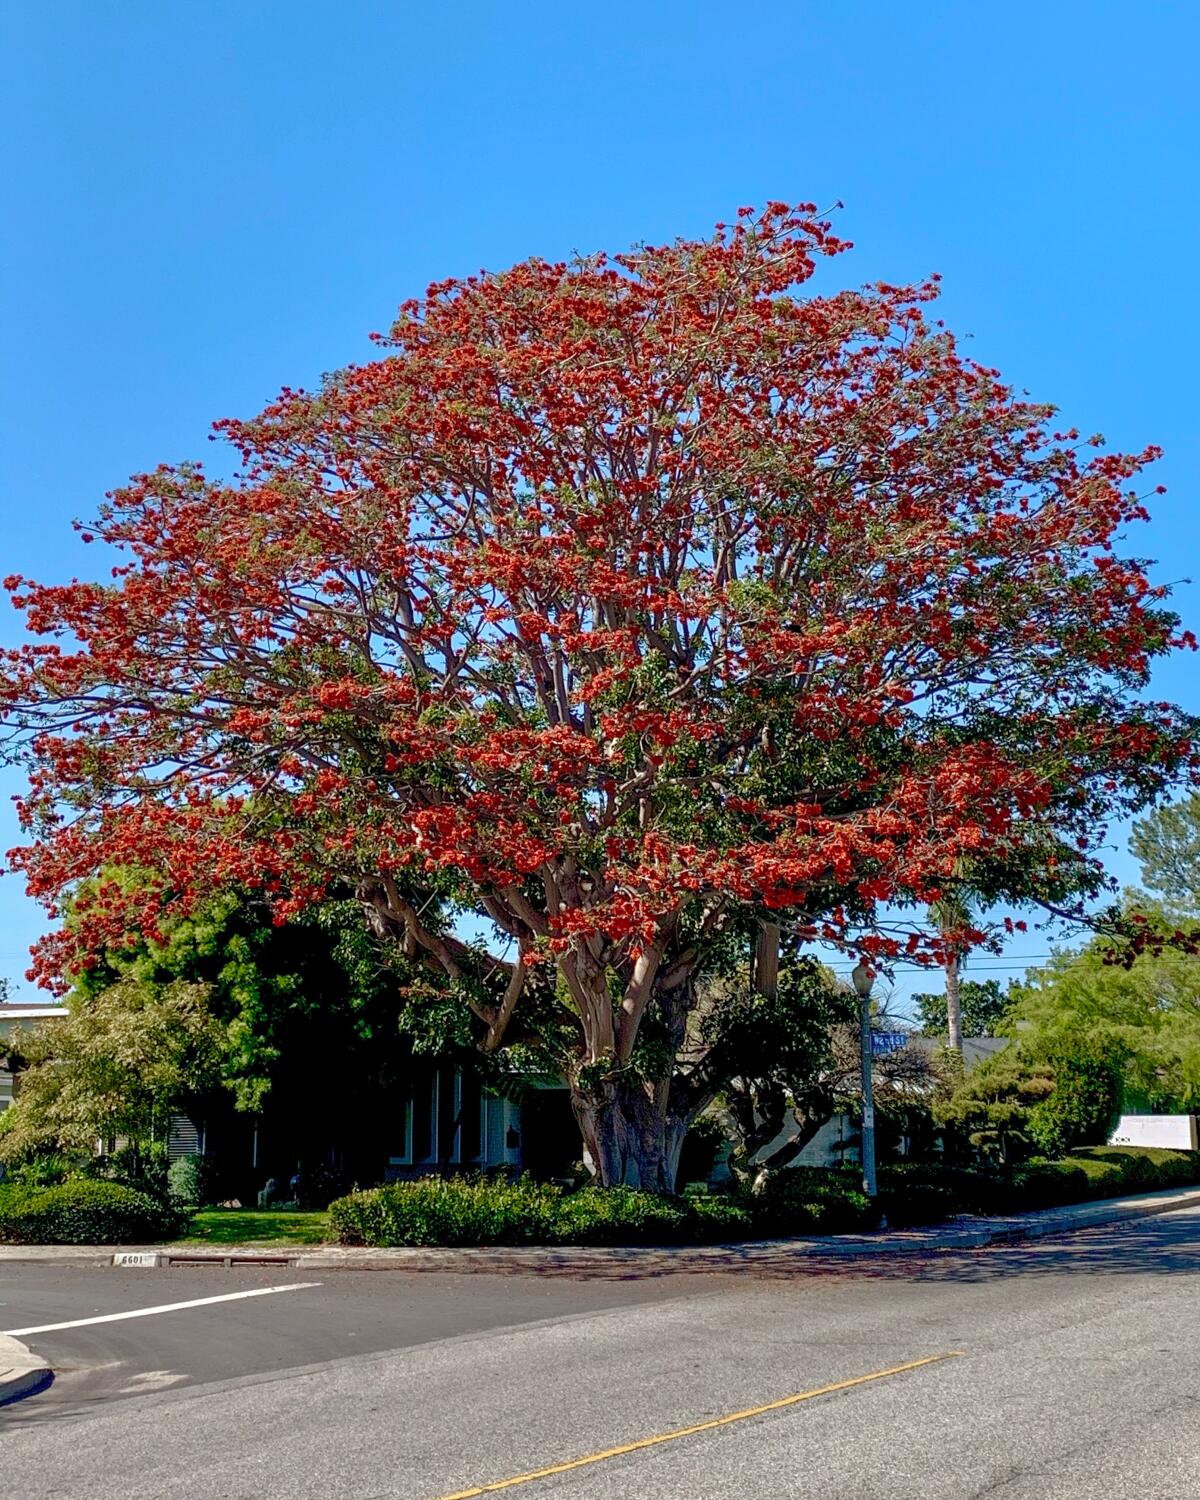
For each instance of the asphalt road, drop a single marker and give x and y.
(1073, 1370)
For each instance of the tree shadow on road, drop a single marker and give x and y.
(1153, 1246)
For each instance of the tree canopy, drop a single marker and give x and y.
(1148, 1012)
(620, 604)
(117, 1066)
(1167, 844)
(221, 1008)
(983, 1005)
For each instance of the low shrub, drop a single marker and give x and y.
(933, 1191)
(811, 1200)
(795, 1202)
(314, 1188)
(1041, 1184)
(449, 1211)
(39, 1169)
(12, 1194)
(621, 1216)
(82, 1212)
(491, 1211)
(924, 1192)
(716, 1219)
(144, 1168)
(189, 1182)
(916, 1202)
(1113, 1171)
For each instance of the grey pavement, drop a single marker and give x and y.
(22, 1373)
(963, 1233)
(1078, 1362)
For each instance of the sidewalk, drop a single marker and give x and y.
(965, 1233)
(21, 1371)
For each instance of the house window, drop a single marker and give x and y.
(404, 1158)
(444, 1121)
(446, 1143)
(424, 1119)
(470, 1130)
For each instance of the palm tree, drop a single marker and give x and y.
(950, 914)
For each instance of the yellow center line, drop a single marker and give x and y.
(682, 1432)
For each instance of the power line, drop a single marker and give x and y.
(968, 967)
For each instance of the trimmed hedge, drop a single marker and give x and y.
(920, 1193)
(795, 1202)
(810, 1200)
(82, 1212)
(492, 1211)
(448, 1211)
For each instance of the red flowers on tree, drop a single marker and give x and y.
(620, 602)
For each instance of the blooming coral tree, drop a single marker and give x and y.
(622, 602)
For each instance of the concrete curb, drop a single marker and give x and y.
(22, 1373)
(965, 1233)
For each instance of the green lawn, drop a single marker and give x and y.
(257, 1226)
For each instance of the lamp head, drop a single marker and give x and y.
(862, 977)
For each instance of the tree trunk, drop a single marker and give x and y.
(766, 960)
(633, 1139)
(953, 1005)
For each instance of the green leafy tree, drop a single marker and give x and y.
(118, 1065)
(1149, 1012)
(1167, 844)
(1085, 1102)
(223, 1011)
(982, 1002)
(770, 1057)
(786, 1060)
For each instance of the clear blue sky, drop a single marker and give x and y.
(204, 202)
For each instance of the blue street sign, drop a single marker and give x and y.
(883, 1042)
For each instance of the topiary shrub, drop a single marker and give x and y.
(83, 1212)
(1085, 1102)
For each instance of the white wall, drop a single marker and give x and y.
(1175, 1131)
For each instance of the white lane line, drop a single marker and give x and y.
(149, 1312)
